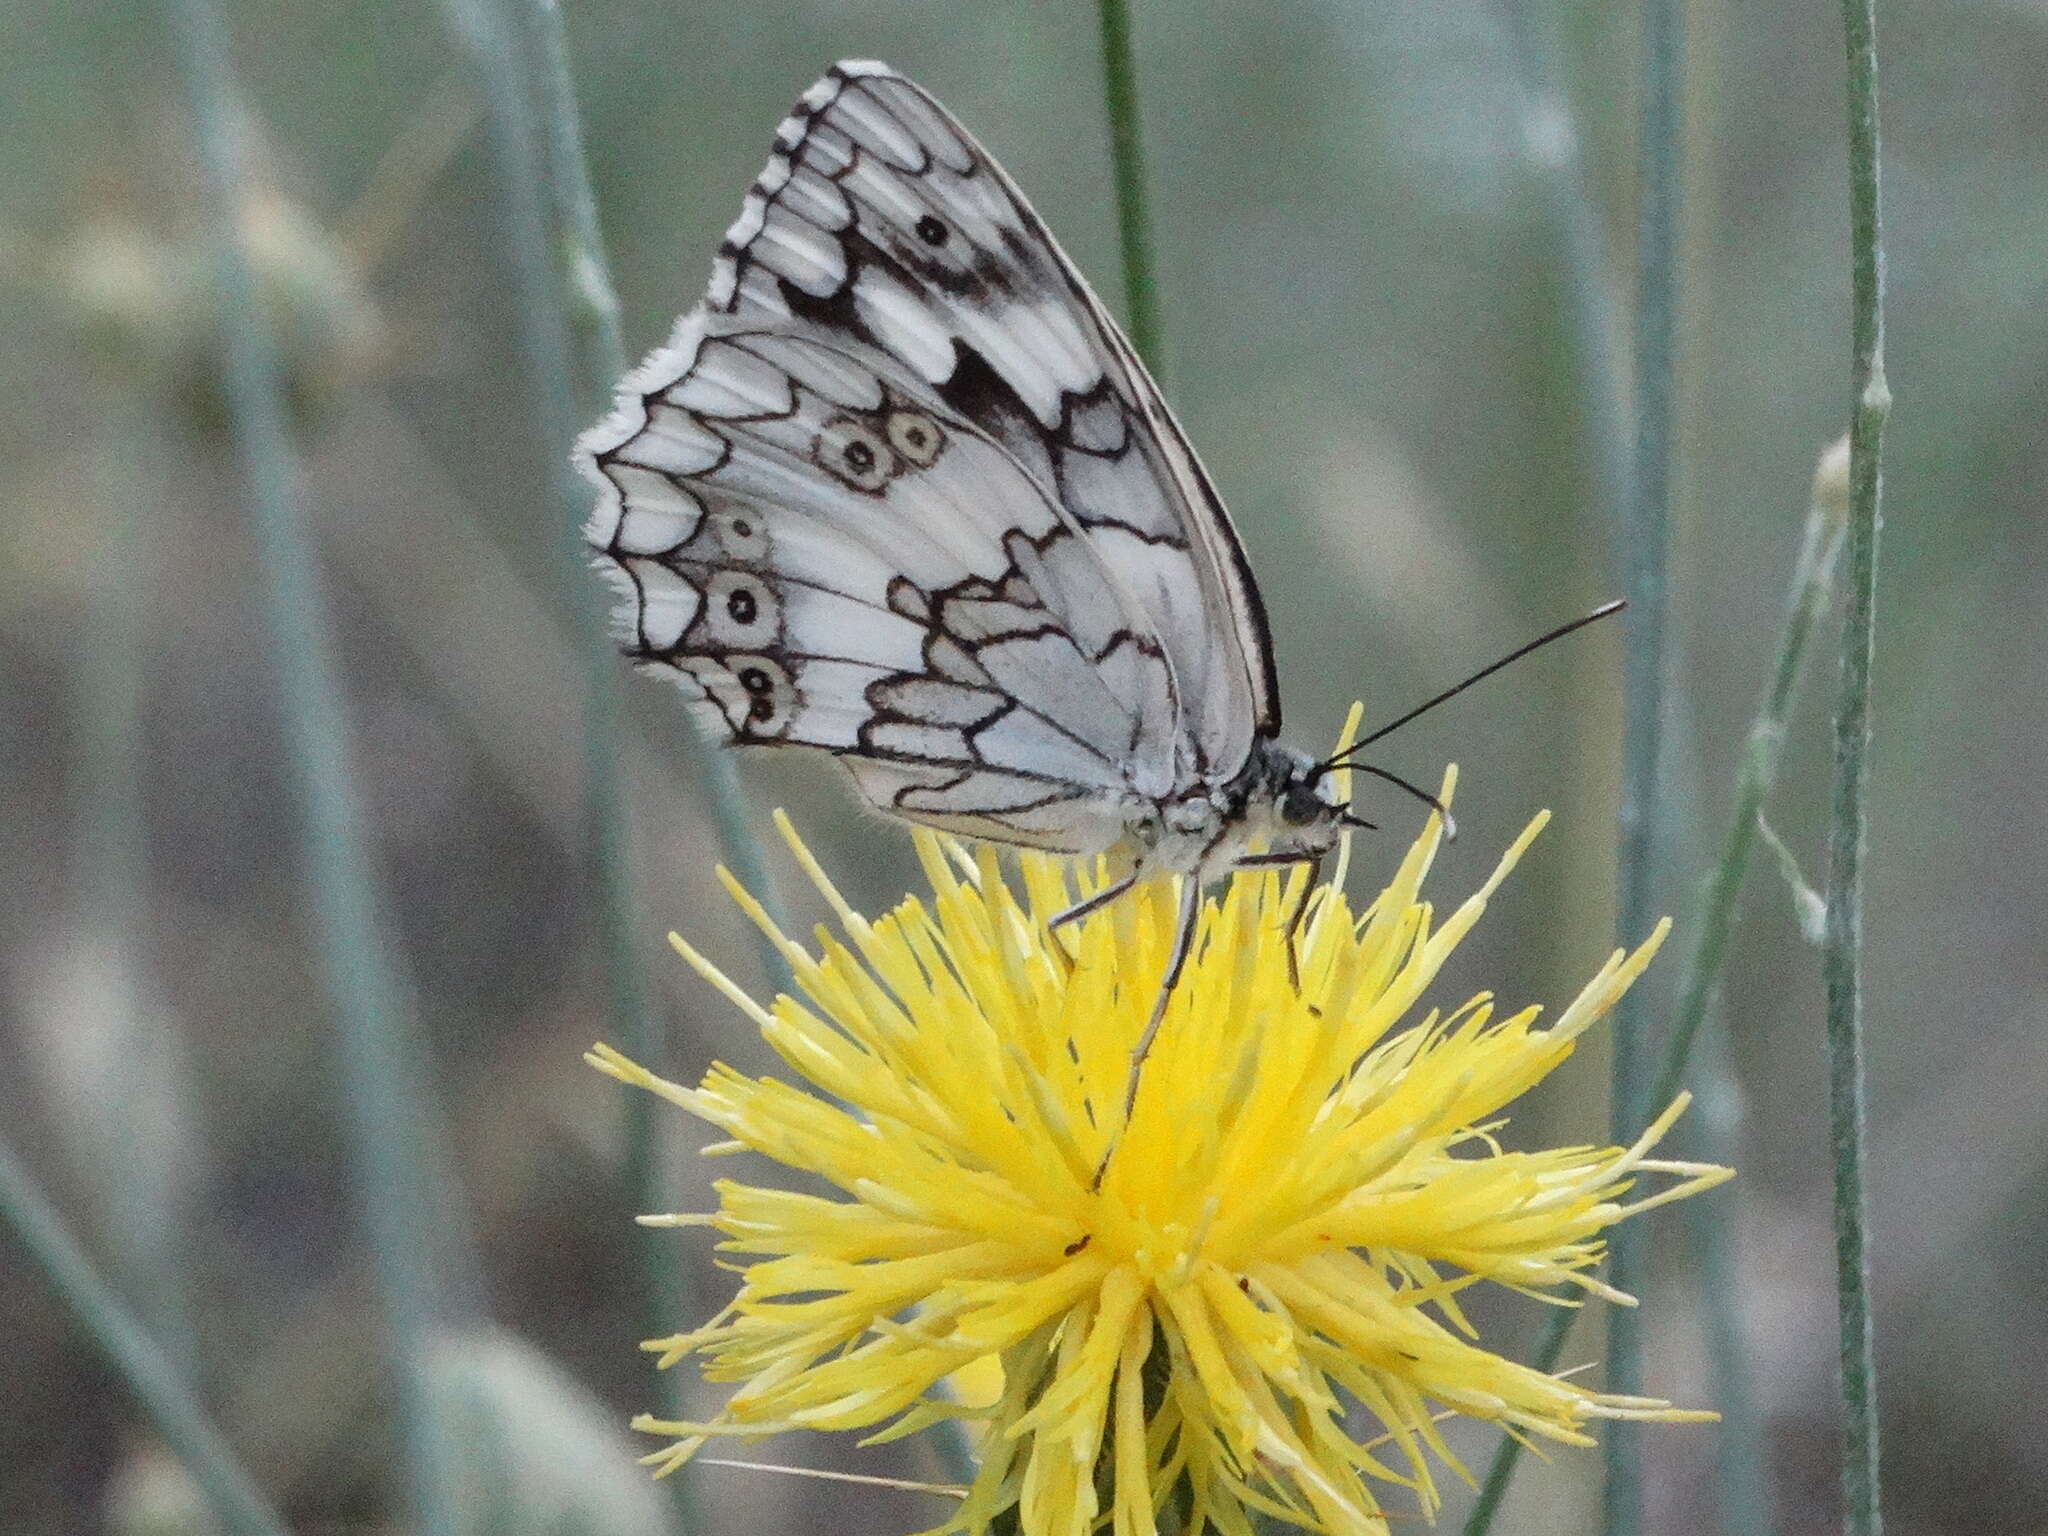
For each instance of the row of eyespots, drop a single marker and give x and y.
(866, 453)
(734, 610)
(754, 694)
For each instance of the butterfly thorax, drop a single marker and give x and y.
(1282, 803)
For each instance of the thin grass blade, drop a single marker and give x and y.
(1870, 397)
(128, 1348)
(394, 1169)
(1127, 162)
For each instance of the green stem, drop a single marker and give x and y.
(1552, 141)
(1843, 965)
(526, 164)
(593, 301)
(1500, 1472)
(1744, 1474)
(1127, 161)
(509, 70)
(145, 1168)
(387, 1122)
(599, 358)
(1646, 536)
(129, 1349)
(1709, 1134)
(1812, 582)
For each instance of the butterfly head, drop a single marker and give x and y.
(1297, 799)
(1308, 797)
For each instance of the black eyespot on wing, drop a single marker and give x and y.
(916, 436)
(931, 231)
(855, 454)
(741, 540)
(760, 694)
(741, 605)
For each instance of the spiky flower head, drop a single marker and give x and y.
(1308, 1180)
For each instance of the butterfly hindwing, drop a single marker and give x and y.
(822, 552)
(881, 220)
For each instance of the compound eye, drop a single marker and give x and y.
(1300, 805)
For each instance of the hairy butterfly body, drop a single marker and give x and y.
(899, 490)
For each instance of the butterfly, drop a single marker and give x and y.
(900, 490)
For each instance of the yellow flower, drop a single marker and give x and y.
(1305, 1184)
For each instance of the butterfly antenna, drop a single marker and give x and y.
(1603, 611)
(1450, 824)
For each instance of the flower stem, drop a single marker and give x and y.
(1710, 1132)
(1554, 146)
(388, 1127)
(569, 314)
(1646, 536)
(1552, 141)
(593, 301)
(131, 1351)
(1812, 583)
(569, 323)
(1813, 580)
(1127, 159)
(1745, 1478)
(549, 295)
(1500, 1472)
(599, 354)
(1843, 964)
(141, 1155)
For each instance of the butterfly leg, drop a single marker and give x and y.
(1295, 920)
(1089, 905)
(1299, 912)
(1187, 920)
(1086, 906)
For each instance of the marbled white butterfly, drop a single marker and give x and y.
(900, 490)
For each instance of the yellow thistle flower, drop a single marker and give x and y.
(1302, 1190)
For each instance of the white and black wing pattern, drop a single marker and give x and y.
(880, 220)
(823, 552)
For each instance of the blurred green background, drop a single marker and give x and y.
(1367, 311)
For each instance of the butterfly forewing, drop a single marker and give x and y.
(900, 490)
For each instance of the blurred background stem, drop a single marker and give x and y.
(513, 72)
(1646, 541)
(1711, 1132)
(1127, 162)
(381, 1079)
(1555, 150)
(1748, 1497)
(1870, 405)
(594, 359)
(123, 1092)
(581, 285)
(1635, 488)
(148, 1371)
